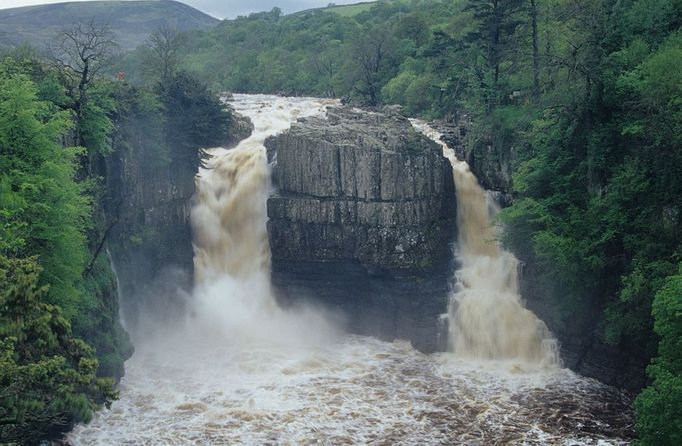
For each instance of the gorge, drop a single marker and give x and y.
(478, 241)
(362, 210)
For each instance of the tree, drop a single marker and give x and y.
(659, 406)
(195, 117)
(43, 212)
(326, 65)
(495, 36)
(79, 55)
(163, 61)
(373, 53)
(413, 26)
(47, 377)
(536, 51)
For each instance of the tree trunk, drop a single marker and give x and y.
(536, 53)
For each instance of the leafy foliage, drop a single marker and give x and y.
(659, 407)
(194, 117)
(48, 377)
(45, 213)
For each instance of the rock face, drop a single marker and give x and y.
(151, 243)
(241, 128)
(492, 166)
(362, 220)
(583, 348)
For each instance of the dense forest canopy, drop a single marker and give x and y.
(584, 96)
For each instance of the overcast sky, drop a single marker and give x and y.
(218, 8)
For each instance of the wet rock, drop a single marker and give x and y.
(241, 128)
(148, 205)
(362, 220)
(491, 165)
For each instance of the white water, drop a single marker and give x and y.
(231, 250)
(240, 370)
(487, 319)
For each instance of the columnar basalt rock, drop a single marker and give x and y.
(492, 165)
(148, 208)
(362, 219)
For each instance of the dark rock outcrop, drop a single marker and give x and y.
(362, 220)
(491, 165)
(581, 340)
(150, 241)
(241, 128)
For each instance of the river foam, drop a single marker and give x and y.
(355, 390)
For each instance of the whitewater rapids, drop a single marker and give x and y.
(239, 370)
(354, 391)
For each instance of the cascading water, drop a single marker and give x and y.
(229, 212)
(486, 317)
(229, 215)
(240, 370)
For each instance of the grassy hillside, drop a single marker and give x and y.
(350, 10)
(131, 21)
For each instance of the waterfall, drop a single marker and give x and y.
(241, 370)
(486, 317)
(229, 214)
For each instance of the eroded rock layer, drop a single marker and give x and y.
(362, 219)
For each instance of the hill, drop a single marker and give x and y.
(131, 21)
(349, 10)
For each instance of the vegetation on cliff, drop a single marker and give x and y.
(62, 344)
(658, 406)
(48, 377)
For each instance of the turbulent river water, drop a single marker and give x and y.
(237, 369)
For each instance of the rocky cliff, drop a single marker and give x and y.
(363, 219)
(491, 163)
(150, 177)
(148, 207)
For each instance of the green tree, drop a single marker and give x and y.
(47, 377)
(496, 38)
(659, 406)
(195, 117)
(80, 54)
(43, 212)
(373, 53)
(162, 60)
